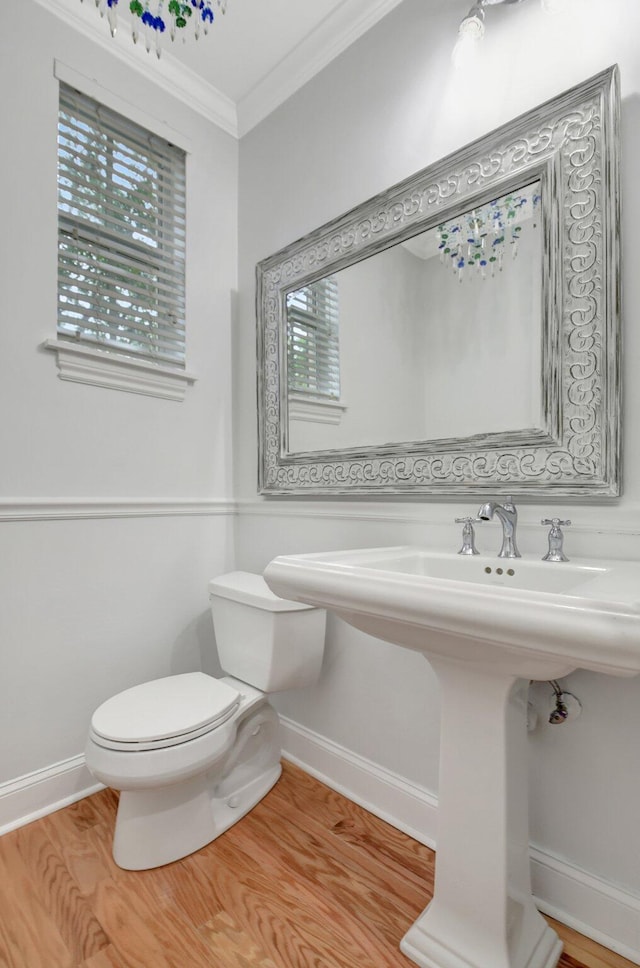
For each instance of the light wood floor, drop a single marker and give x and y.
(306, 880)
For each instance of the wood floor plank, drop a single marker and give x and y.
(87, 857)
(232, 946)
(295, 920)
(29, 937)
(366, 843)
(129, 934)
(64, 825)
(107, 958)
(171, 929)
(307, 879)
(346, 878)
(105, 804)
(584, 952)
(306, 796)
(181, 944)
(59, 893)
(184, 886)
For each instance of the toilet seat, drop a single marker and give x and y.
(164, 712)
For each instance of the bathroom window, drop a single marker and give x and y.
(121, 237)
(313, 350)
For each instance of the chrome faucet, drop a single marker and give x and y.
(508, 516)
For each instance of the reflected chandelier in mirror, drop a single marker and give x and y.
(458, 333)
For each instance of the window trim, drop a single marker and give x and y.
(315, 409)
(92, 88)
(115, 369)
(80, 363)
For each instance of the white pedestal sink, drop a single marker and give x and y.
(487, 625)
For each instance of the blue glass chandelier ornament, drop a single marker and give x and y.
(479, 239)
(154, 19)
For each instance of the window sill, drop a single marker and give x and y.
(314, 410)
(116, 371)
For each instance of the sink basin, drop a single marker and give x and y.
(521, 573)
(536, 619)
(487, 625)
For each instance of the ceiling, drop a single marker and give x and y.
(254, 57)
(251, 39)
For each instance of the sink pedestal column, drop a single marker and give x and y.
(482, 914)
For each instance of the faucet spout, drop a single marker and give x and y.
(507, 514)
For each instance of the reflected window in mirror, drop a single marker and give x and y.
(313, 352)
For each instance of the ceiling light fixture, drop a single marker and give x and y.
(154, 19)
(471, 28)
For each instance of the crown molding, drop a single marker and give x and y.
(167, 73)
(341, 28)
(338, 31)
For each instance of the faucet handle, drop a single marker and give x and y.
(468, 536)
(556, 539)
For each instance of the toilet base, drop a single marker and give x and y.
(157, 827)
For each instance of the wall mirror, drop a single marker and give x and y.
(458, 333)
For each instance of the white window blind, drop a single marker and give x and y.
(313, 352)
(121, 233)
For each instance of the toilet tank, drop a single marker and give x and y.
(265, 641)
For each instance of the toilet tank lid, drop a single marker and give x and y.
(250, 589)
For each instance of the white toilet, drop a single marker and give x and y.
(192, 754)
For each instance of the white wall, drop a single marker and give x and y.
(385, 108)
(114, 507)
(485, 333)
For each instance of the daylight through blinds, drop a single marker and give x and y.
(313, 356)
(121, 233)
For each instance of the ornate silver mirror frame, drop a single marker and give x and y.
(571, 145)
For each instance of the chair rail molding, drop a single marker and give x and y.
(60, 509)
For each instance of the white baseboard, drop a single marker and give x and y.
(406, 806)
(590, 905)
(44, 791)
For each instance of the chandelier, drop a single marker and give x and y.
(154, 19)
(478, 240)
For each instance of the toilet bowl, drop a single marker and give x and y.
(192, 754)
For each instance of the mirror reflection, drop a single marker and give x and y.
(403, 345)
(483, 355)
